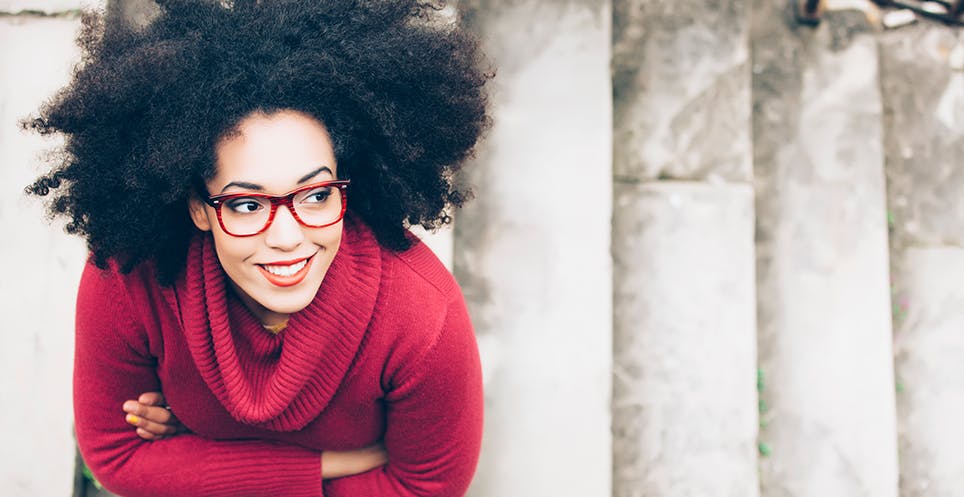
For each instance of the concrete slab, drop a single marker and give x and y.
(532, 250)
(824, 310)
(922, 81)
(49, 6)
(929, 343)
(37, 293)
(681, 90)
(684, 396)
(924, 126)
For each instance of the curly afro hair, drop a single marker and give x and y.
(401, 93)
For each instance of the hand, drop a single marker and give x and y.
(336, 463)
(154, 421)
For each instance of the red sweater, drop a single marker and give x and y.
(384, 352)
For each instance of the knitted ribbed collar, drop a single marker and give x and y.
(279, 382)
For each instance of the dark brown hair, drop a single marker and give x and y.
(401, 94)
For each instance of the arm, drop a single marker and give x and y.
(111, 363)
(434, 421)
(154, 421)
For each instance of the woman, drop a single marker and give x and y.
(244, 173)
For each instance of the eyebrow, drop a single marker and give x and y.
(259, 188)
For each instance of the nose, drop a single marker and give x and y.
(285, 232)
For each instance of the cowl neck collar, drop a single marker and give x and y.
(279, 382)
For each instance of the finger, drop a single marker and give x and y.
(146, 435)
(158, 415)
(151, 413)
(152, 399)
(156, 429)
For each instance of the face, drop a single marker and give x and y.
(278, 271)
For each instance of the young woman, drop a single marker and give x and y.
(244, 174)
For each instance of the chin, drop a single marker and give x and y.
(289, 304)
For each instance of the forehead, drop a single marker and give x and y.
(274, 149)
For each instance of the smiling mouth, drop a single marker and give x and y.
(286, 274)
(286, 271)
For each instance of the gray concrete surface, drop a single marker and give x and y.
(135, 12)
(929, 345)
(681, 90)
(43, 267)
(922, 79)
(824, 325)
(532, 250)
(684, 406)
(48, 6)
(924, 125)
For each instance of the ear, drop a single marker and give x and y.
(199, 214)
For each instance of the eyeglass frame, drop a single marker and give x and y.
(287, 199)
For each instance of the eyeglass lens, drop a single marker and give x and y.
(315, 207)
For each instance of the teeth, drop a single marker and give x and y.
(286, 270)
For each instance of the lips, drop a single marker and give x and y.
(286, 273)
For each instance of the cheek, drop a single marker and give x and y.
(232, 251)
(335, 238)
(330, 240)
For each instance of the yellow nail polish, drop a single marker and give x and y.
(132, 419)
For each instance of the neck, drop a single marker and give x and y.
(268, 318)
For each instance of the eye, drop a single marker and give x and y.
(244, 205)
(317, 195)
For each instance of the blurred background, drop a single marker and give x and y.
(717, 249)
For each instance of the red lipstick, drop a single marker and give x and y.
(286, 280)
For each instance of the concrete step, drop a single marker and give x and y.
(684, 402)
(829, 417)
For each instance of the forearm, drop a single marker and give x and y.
(389, 481)
(113, 363)
(188, 465)
(184, 465)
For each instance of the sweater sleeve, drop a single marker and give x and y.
(113, 363)
(433, 428)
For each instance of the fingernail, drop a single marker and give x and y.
(130, 406)
(132, 419)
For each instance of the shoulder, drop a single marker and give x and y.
(418, 287)
(110, 282)
(419, 305)
(112, 301)
(418, 268)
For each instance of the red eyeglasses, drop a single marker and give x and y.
(314, 206)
